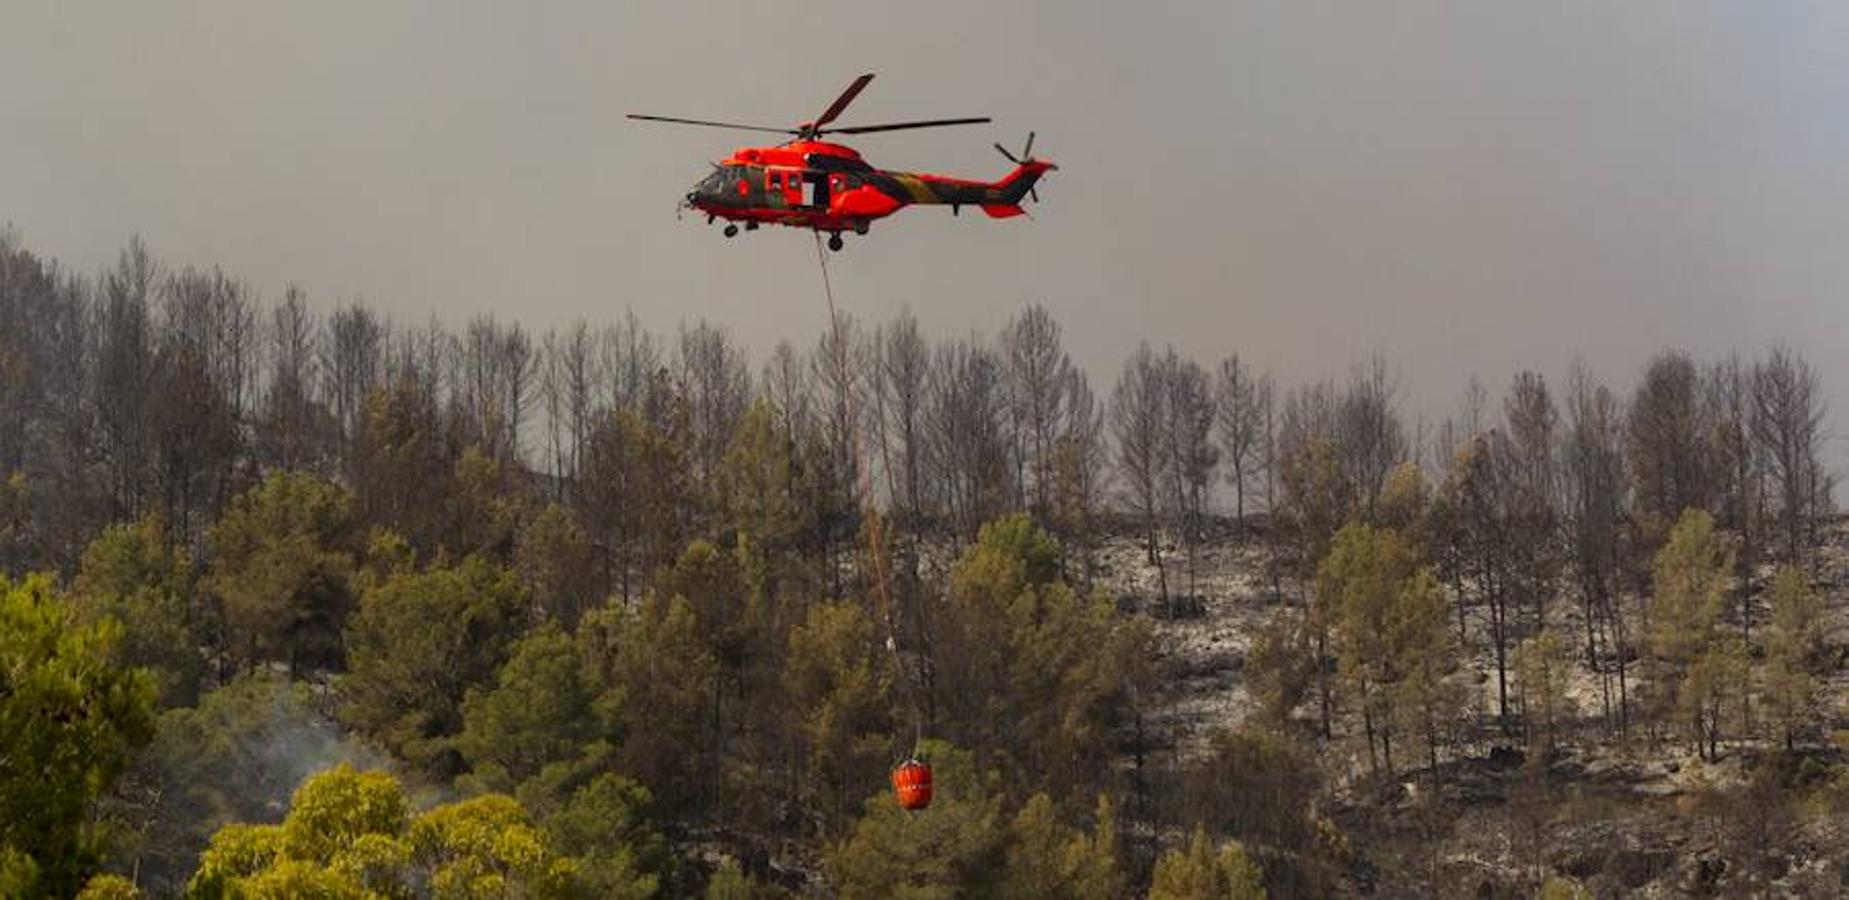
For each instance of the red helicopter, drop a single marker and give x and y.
(810, 183)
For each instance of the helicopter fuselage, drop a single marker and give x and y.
(829, 187)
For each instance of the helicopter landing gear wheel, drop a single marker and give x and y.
(861, 228)
(834, 242)
(731, 231)
(751, 226)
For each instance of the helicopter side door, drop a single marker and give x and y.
(815, 189)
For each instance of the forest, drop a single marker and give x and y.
(297, 600)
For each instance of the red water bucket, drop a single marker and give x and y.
(911, 784)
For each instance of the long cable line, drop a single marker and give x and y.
(876, 544)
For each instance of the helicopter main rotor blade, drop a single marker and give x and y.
(734, 125)
(900, 126)
(841, 102)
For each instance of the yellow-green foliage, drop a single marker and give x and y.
(138, 574)
(69, 718)
(1560, 887)
(1702, 666)
(1047, 858)
(348, 834)
(1198, 873)
(109, 887)
(1791, 682)
(1387, 615)
(486, 847)
(730, 882)
(1691, 573)
(1541, 670)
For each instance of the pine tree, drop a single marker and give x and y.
(136, 574)
(351, 834)
(542, 712)
(70, 719)
(1541, 670)
(1031, 676)
(957, 849)
(1701, 666)
(654, 654)
(603, 826)
(283, 554)
(1791, 682)
(1388, 617)
(838, 681)
(1198, 873)
(1047, 858)
(554, 558)
(419, 642)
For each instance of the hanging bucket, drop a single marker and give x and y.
(911, 784)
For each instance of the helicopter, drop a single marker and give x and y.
(808, 182)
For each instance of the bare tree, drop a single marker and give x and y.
(1372, 436)
(552, 401)
(968, 457)
(568, 384)
(1242, 400)
(1531, 493)
(1787, 421)
(629, 361)
(711, 378)
(1476, 495)
(123, 346)
(1670, 456)
(838, 371)
(1138, 424)
(290, 434)
(785, 383)
(1727, 393)
(55, 436)
(352, 366)
(1187, 413)
(1596, 489)
(905, 368)
(1080, 471)
(1037, 369)
(497, 370)
(202, 376)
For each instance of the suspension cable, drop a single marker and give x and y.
(876, 544)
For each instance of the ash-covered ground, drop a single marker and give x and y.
(1633, 815)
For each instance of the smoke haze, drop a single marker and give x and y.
(1460, 188)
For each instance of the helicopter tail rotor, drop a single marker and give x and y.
(1027, 161)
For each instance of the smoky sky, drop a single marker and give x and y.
(1462, 188)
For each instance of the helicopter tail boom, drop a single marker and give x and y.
(1000, 199)
(1020, 182)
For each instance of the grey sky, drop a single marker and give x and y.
(1461, 187)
